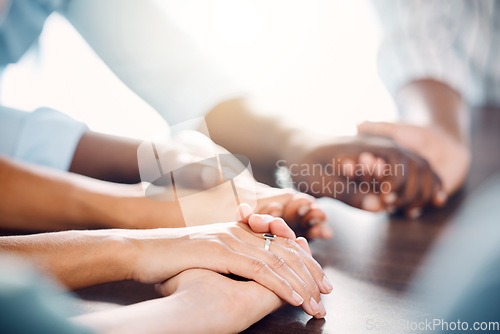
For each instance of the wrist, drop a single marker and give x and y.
(111, 206)
(155, 255)
(431, 103)
(241, 126)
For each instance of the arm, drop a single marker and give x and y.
(425, 60)
(43, 199)
(431, 103)
(106, 157)
(236, 126)
(240, 303)
(169, 72)
(38, 198)
(435, 124)
(76, 258)
(83, 258)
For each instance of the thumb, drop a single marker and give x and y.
(378, 129)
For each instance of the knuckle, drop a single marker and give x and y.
(293, 256)
(224, 239)
(284, 285)
(259, 267)
(315, 290)
(289, 243)
(304, 289)
(277, 261)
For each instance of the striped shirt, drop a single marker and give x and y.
(453, 41)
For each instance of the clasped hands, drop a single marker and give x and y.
(387, 166)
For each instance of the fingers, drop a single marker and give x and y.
(244, 213)
(269, 224)
(311, 264)
(273, 209)
(302, 242)
(428, 191)
(295, 209)
(258, 270)
(303, 212)
(317, 223)
(405, 181)
(290, 260)
(421, 185)
(306, 267)
(425, 189)
(372, 202)
(322, 231)
(291, 269)
(439, 196)
(293, 248)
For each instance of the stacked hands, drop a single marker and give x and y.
(287, 268)
(392, 167)
(188, 262)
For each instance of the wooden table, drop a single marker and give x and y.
(371, 261)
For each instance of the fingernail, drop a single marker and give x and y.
(266, 218)
(390, 198)
(327, 233)
(414, 213)
(315, 221)
(441, 197)
(365, 157)
(327, 284)
(303, 210)
(314, 306)
(245, 210)
(390, 209)
(370, 203)
(322, 311)
(297, 298)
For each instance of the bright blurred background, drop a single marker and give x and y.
(312, 62)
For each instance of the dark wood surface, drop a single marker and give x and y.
(372, 260)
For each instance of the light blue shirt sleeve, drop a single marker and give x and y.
(33, 303)
(21, 24)
(43, 137)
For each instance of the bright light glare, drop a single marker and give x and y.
(313, 62)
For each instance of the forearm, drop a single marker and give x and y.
(432, 103)
(235, 126)
(76, 258)
(152, 316)
(37, 198)
(107, 157)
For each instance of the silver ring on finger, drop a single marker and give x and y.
(269, 238)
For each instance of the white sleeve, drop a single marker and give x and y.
(44, 137)
(139, 43)
(426, 40)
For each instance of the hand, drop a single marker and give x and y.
(448, 157)
(231, 248)
(220, 304)
(199, 301)
(368, 172)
